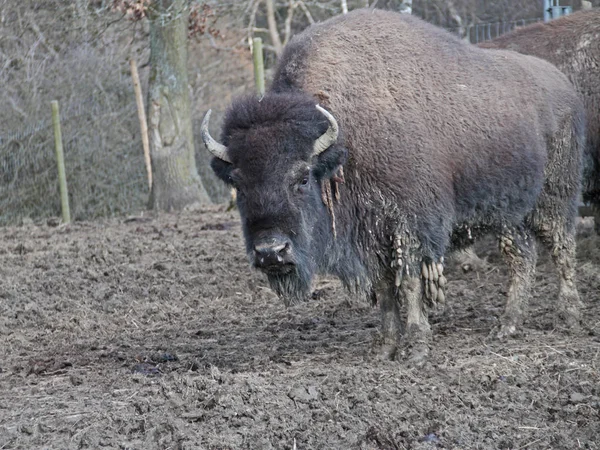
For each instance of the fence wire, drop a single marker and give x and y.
(487, 31)
(103, 154)
(104, 167)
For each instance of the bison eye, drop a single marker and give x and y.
(301, 185)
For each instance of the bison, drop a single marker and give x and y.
(571, 43)
(382, 143)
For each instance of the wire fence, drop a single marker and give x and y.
(487, 31)
(103, 155)
(104, 166)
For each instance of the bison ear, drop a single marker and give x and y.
(330, 161)
(222, 169)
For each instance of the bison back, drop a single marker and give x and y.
(572, 44)
(443, 128)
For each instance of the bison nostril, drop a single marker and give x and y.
(284, 250)
(280, 249)
(273, 253)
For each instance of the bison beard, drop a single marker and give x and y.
(296, 286)
(439, 142)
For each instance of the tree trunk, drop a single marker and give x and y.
(176, 183)
(459, 21)
(406, 7)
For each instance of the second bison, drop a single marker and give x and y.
(420, 143)
(571, 43)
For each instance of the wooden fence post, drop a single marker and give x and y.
(142, 116)
(60, 162)
(259, 68)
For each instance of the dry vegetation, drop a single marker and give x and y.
(56, 50)
(77, 51)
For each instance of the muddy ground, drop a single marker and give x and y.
(155, 333)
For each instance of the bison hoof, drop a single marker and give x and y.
(570, 308)
(387, 352)
(417, 354)
(509, 327)
(504, 331)
(417, 346)
(571, 318)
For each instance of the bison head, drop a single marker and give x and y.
(277, 151)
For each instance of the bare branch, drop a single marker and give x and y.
(288, 21)
(234, 48)
(457, 18)
(269, 48)
(16, 108)
(40, 35)
(275, 39)
(252, 20)
(306, 12)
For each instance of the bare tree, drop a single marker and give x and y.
(176, 183)
(275, 39)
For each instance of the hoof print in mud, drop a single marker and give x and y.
(387, 352)
(151, 366)
(146, 369)
(303, 394)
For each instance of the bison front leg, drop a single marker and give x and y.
(416, 336)
(518, 249)
(408, 283)
(391, 323)
(418, 332)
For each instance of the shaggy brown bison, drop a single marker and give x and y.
(571, 43)
(422, 143)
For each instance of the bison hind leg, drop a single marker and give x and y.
(553, 219)
(559, 238)
(517, 247)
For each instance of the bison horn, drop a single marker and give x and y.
(217, 149)
(329, 137)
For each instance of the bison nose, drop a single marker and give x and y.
(272, 254)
